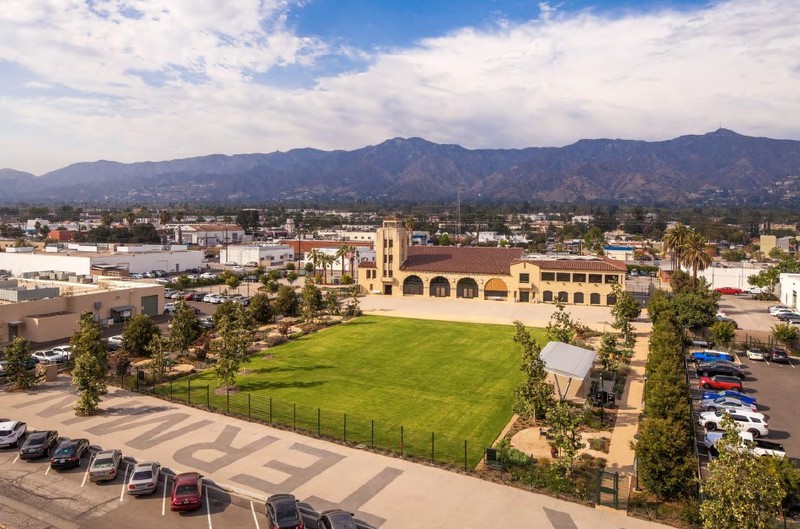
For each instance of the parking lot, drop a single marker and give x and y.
(34, 496)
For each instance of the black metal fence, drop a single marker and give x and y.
(352, 429)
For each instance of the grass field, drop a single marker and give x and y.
(454, 379)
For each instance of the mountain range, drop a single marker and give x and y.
(719, 167)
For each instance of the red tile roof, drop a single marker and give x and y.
(306, 245)
(603, 264)
(460, 260)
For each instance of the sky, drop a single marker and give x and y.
(138, 80)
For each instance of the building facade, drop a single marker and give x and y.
(489, 274)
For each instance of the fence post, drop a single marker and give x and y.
(401, 441)
(294, 416)
(227, 400)
(465, 455)
(270, 410)
(433, 443)
(319, 414)
(372, 434)
(616, 490)
(189, 391)
(248, 406)
(345, 427)
(208, 397)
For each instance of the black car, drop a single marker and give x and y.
(789, 316)
(718, 368)
(331, 519)
(282, 512)
(69, 453)
(779, 356)
(38, 444)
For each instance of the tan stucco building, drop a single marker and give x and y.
(489, 274)
(42, 311)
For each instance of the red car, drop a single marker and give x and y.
(720, 382)
(729, 290)
(187, 492)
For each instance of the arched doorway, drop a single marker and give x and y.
(440, 287)
(594, 298)
(495, 289)
(577, 298)
(466, 288)
(547, 296)
(412, 286)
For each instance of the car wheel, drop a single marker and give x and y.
(707, 386)
(712, 408)
(755, 433)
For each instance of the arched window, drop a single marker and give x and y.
(467, 288)
(440, 287)
(594, 298)
(548, 296)
(412, 286)
(577, 298)
(495, 289)
(563, 297)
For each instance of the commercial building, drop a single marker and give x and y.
(490, 274)
(86, 260)
(206, 235)
(43, 310)
(263, 254)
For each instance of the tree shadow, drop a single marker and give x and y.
(281, 385)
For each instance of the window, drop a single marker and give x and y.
(391, 243)
(524, 278)
(579, 278)
(547, 296)
(595, 278)
(611, 299)
(612, 278)
(524, 296)
(577, 298)
(548, 276)
(563, 297)
(563, 276)
(594, 299)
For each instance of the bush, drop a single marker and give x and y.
(272, 341)
(119, 363)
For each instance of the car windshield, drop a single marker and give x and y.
(142, 475)
(183, 490)
(286, 513)
(35, 440)
(66, 450)
(343, 520)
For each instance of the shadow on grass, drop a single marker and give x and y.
(280, 385)
(276, 369)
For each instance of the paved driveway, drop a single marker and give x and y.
(257, 460)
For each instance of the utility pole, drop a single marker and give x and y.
(458, 228)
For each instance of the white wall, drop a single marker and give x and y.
(790, 289)
(19, 263)
(734, 276)
(145, 262)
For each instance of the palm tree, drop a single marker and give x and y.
(353, 256)
(694, 254)
(130, 218)
(164, 216)
(674, 240)
(341, 253)
(327, 260)
(315, 256)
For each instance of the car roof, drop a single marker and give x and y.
(187, 477)
(8, 424)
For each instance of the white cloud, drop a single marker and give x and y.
(152, 79)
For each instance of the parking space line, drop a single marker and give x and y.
(164, 498)
(48, 469)
(86, 474)
(124, 481)
(255, 519)
(208, 509)
(15, 459)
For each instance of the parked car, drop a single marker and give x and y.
(728, 403)
(745, 421)
(282, 512)
(115, 342)
(162, 281)
(729, 290)
(782, 310)
(720, 382)
(252, 263)
(12, 432)
(755, 290)
(30, 363)
(238, 268)
(206, 322)
(788, 316)
(169, 308)
(760, 447)
(208, 275)
(144, 479)
(69, 453)
(779, 356)
(105, 465)
(709, 356)
(709, 369)
(187, 492)
(729, 393)
(38, 444)
(136, 275)
(48, 357)
(231, 263)
(757, 354)
(330, 519)
(64, 350)
(729, 320)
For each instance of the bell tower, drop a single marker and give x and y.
(392, 247)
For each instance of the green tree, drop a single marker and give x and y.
(287, 303)
(625, 310)
(674, 241)
(561, 328)
(90, 363)
(661, 455)
(659, 302)
(18, 356)
(261, 309)
(786, 334)
(138, 333)
(695, 254)
(291, 277)
(232, 281)
(608, 352)
(777, 253)
(444, 240)
(696, 309)
(723, 333)
(564, 422)
(185, 327)
(535, 394)
(311, 302)
(158, 349)
(680, 282)
(594, 240)
(332, 303)
(232, 345)
(738, 491)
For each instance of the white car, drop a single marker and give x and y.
(726, 403)
(208, 275)
(760, 447)
(65, 350)
(115, 340)
(755, 290)
(170, 308)
(238, 268)
(755, 354)
(162, 281)
(780, 310)
(144, 478)
(48, 357)
(11, 432)
(745, 420)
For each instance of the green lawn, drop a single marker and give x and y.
(454, 379)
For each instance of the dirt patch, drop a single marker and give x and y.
(226, 390)
(268, 357)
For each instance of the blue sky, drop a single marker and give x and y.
(134, 80)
